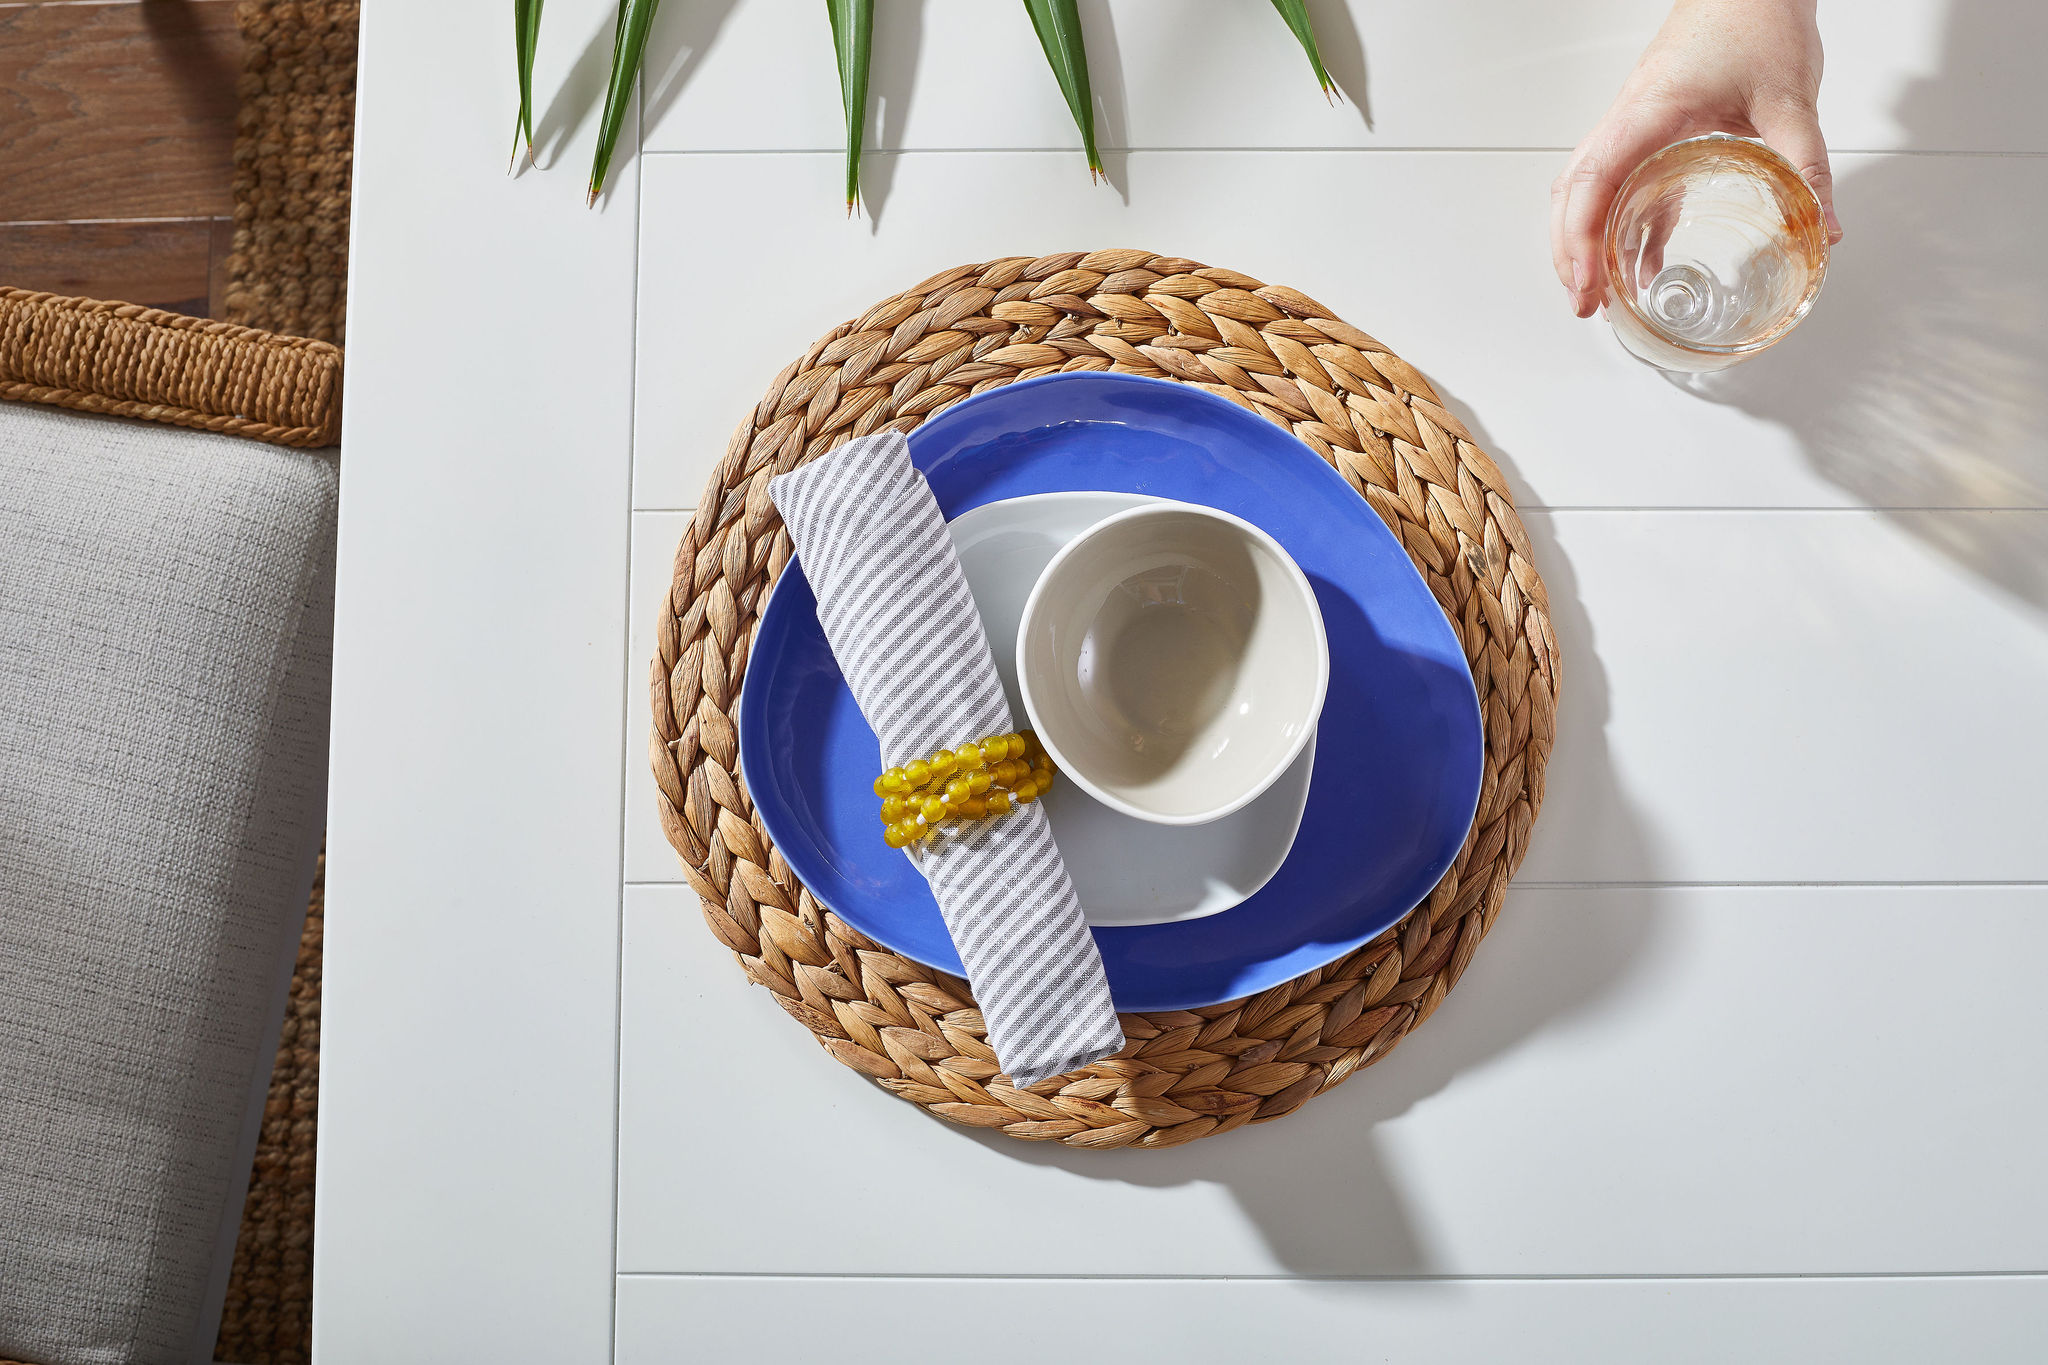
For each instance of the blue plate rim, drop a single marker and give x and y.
(935, 428)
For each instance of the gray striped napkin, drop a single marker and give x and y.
(897, 613)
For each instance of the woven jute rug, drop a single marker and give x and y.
(268, 1315)
(288, 272)
(288, 265)
(1185, 1074)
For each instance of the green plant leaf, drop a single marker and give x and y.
(1295, 12)
(525, 38)
(1059, 33)
(853, 37)
(629, 46)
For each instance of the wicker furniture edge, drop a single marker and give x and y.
(131, 361)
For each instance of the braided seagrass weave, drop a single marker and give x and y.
(1186, 1074)
(132, 361)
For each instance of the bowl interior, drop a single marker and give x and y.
(1172, 659)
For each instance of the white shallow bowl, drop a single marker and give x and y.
(1173, 662)
(1126, 870)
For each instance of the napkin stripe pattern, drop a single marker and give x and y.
(897, 612)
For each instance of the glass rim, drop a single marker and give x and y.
(1627, 297)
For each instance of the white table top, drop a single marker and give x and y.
(1752, 1067)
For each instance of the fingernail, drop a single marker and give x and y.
(1834, 223)
(1578, 277)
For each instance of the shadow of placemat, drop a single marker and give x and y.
(288, 272)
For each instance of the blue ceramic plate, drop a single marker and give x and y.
(1398, 752)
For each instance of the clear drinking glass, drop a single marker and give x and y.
(1715, 249)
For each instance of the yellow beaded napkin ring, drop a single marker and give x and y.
(972, 782)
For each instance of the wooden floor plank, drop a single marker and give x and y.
(220, 240)
(117, 110)
(162, 263)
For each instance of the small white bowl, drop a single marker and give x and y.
(1127, 871)
(1173, 662)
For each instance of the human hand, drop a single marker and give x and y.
(1750, 67)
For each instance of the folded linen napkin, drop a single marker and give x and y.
(896, 610)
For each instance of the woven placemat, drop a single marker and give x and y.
(1186, 1074)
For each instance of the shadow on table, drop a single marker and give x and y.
(576, 100)
(1921, 378)
(1321, 1185)
(681, 37)
(1343, 53)
(892, 85)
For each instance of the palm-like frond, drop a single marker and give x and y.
(1295, 12)
(629, 46)
(853, 38)
(1058, 24)
(525, 41)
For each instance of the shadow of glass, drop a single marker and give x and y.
(1322, 1186)
(1920, 381)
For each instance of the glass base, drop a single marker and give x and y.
(1661, 354)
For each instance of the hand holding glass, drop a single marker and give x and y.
(1715, 249)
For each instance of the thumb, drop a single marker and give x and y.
(1792, 128)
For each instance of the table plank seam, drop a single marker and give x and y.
(1305, 148)
(1576, 509)
(1732, 1276)
(627, 726)
(1638, 885)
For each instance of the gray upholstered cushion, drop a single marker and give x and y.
(166, 603)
